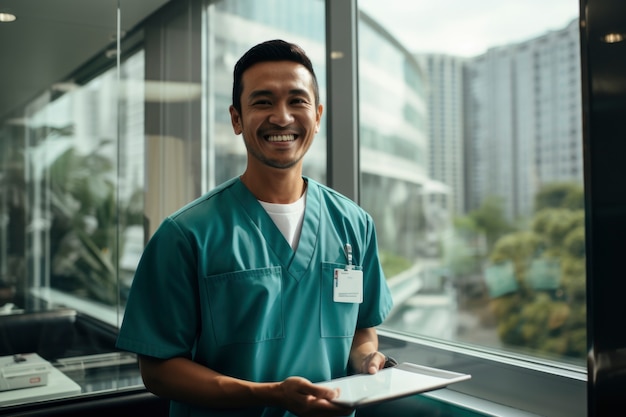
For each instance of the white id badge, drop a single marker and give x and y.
(348, 286)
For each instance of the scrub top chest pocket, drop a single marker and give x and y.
(339, 318)
(246, 306)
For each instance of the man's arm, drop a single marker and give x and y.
(184, 380)
(364, 355)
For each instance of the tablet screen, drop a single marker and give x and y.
(391, 383)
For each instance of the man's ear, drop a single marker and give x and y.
(318, 117)
(235, 120)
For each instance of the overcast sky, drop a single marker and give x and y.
(468, 27)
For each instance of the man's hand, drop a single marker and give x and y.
(304, 399)
(373, 362)
(364, 355)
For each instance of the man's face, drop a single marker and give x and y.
(279, 117)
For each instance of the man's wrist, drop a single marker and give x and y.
(268, 394)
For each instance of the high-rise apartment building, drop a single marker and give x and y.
(523, 119)
(445, 128)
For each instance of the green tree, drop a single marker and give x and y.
(491, 220)
(465, 248)
(546, 313)
(560, 195)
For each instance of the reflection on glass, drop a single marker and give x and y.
(482, 225)
(74, 190)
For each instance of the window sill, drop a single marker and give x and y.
(442, 403)
(523, 386)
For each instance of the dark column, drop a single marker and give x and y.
(604, 124)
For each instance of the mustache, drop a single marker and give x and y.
(280, 130)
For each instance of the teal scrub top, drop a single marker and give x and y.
(218, 283)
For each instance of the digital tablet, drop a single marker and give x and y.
(391, 383)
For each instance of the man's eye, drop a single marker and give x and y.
(261, 103)
(299, 101)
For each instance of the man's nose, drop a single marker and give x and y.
(281, 115)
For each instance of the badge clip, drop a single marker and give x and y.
(348, 249)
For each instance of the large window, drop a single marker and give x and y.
(483, 212)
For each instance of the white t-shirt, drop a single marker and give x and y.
(288, 218)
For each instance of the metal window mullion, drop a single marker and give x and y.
(342, 97)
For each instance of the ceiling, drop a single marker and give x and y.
(52, 38)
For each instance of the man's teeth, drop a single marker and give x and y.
(281, 138)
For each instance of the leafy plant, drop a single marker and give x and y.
(81, 190)
(546, 312)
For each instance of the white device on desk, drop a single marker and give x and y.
(23, 371)
(28, 377)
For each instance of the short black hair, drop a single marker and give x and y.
(273, 50)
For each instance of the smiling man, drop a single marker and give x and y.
(278, 115)
(270, 282)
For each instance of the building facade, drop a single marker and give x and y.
(446, 162)
(523, 120)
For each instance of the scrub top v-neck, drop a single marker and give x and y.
(218, 283)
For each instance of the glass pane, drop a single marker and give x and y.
(471, 120)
